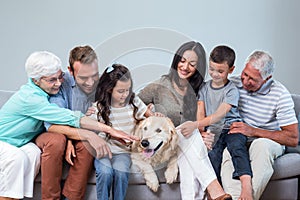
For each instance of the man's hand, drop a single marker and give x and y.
(241, 127)
(187, 128)
(208, 139)
(99, 144)
(70, 152)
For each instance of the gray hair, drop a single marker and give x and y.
(42, 63)
(263, 62)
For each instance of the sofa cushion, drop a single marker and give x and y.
(135, 177)
(286, 166)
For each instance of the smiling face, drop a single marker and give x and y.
(86, 75)
(120, 93)
(219, 73)
(50, 84)
(251, 78)
(157, 136)
(187, 65)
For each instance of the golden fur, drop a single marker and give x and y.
(158, 145)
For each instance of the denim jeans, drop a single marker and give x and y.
(236, 145)
(112, 174)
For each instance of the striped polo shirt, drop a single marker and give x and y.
(270, 108)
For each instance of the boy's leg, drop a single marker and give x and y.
(215, 155)
(236, 145)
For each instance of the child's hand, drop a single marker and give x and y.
(70, 152)
(158, 114)
(208, 139)
(90, 111)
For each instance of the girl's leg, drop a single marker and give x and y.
(121, 164)
(104, 177)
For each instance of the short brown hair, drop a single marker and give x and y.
(221, 54)
(83, 54)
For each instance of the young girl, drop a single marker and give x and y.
(116, 106)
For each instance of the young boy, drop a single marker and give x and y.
(217, 107)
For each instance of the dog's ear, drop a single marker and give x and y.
(136, 132)
(137, 128)
(173, 133)
(174, 139)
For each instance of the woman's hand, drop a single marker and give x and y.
(187, 128)
(70, 152)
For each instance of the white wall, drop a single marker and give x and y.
(111, 27)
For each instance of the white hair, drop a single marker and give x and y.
(263, 62)
(42, 63)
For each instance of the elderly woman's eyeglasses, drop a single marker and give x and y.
(54, 80)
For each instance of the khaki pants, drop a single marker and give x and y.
(262, 154)
(53, 150)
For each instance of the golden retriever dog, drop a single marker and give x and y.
(158, 145)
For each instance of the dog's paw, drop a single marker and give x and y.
(153, 185)
(171, 175)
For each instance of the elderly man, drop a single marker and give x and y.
(270, 123)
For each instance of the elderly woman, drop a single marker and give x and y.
(21, 120)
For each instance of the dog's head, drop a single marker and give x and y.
(157, 134)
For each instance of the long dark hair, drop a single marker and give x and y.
(195, 81)
(106, 84)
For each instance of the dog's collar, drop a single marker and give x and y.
(158, 146)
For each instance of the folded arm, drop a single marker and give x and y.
(288, 135)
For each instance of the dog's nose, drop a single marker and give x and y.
(145, 143)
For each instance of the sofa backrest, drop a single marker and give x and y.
(296, 98)
(4, 96)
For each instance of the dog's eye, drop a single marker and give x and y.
(158, 130)
(145, 128)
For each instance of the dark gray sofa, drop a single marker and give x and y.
(283, 184)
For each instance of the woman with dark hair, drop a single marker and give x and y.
(174, 95)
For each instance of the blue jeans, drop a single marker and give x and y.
(113, 174)
(236, 145)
